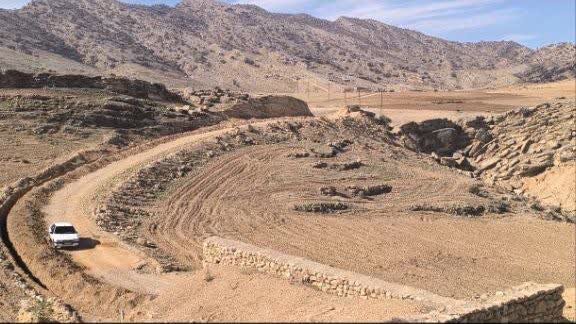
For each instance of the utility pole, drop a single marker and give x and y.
(359, 97)
(381, 101)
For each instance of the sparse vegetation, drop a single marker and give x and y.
(347, 166)
(477, 189)
(369, 190)
(41, 311)
(321, 207)
(207, 275)
(460, 210)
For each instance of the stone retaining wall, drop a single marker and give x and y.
(529, 302)
(328, 279)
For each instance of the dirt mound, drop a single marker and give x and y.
(525, 143)
(82, 112)
(207, 98)
(268, 107)
(353, 111)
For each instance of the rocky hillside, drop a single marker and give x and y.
(203, 43)
(530, 151)
(551, 63)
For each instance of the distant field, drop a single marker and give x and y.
(420, 105)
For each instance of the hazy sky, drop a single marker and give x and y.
(531, 22)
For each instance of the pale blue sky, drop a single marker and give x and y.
(531, 22)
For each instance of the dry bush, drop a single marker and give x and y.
(460, 210)
(207, 274)
(323, 207)
(369, 190)
(347, 166)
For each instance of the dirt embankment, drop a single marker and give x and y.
(94, 116)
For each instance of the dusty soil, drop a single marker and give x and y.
(556, 186)
(425, 250)
(250, 193)
(246, 296)
(116, 263)
(25, 148)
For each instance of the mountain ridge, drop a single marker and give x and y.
(208, 43)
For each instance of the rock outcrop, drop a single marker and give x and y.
(439, 136)
(269, 107)
(505, 150)
(134, 88)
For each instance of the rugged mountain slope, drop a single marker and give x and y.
(206, 43)
(551, 63)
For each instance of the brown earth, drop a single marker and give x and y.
(447, 254)
(414, 235)
(555, 187)
(115, 263)
(422, 249)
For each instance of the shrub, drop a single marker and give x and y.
(347, 166)
(477, 190)
(41, 311)
(323, 207)
(369, 190)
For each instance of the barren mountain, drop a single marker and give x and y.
(208, 43)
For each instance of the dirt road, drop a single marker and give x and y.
(110, 259)
(249, 195)
(116, 263)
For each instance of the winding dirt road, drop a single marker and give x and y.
(232, 296)
(110, 259)
(249, 194)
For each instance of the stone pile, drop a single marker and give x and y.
(527, 303)
(520, 143)
(439, 136)
(502, 150)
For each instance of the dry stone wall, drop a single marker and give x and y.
(529, 302)
(325, 278)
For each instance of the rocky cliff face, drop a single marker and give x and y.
(208, 43)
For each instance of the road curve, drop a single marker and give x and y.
(112, 260)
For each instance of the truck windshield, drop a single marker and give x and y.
(65, 230)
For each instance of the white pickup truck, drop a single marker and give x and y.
(63, 235)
